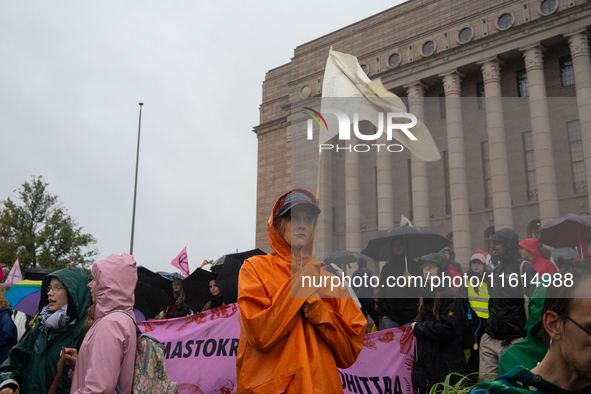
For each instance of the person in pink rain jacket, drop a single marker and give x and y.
(530, 250)
(107, 356)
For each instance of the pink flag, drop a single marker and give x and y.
(181, 262)
(14, 276)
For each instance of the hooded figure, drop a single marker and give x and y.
(365, 292)
(398, 305)
(8, 331)
(291, 339)
(31, 365)
(439, 349)
(506, 306)
(531, 350)
(451, 260)
(535, 258)
(107, 356)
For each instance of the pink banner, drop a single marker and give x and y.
(201, 355)
(182, 262)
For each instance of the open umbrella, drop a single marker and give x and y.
(342, 257)
(567, 231)
(227, 279)
(24, 296)
(150, 300)
(196, 288)
(418, 241)
(155, 280)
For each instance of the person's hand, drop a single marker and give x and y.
(304, 311)
(7, 390)
(30, 326)
(412, 326)
(70, 358)
(407, 275)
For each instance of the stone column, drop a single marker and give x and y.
(420, 182)
(384, 186)
(579, 51)
(540, 124)
(460, 215)
(352, 209)
(497, 148)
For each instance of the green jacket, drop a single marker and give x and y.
(32, 363)
(531, 350)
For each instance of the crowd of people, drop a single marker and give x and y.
(519, 337)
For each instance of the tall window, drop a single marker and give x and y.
(446, 183)
(576, 156)
(377, 208)
(410, 191)
(533, 229)
(522, 86)
(567, 74)
(442, 108)
(530, 166)
(486, 174)
(480, 94)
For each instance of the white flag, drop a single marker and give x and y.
(344, 78)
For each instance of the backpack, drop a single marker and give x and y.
(150, 373)
(470, 326)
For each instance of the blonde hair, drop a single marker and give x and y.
(3, 302)
(280, 225)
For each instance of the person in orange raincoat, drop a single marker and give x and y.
(293, 339)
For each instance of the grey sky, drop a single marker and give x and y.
(72, 74)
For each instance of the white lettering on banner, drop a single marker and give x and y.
(201, 354)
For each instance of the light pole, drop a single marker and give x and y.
(137, 160)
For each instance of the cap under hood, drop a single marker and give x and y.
(277, 243)
(116, 278)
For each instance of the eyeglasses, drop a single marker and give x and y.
(428, 265)
(54, 289)
(577, 324)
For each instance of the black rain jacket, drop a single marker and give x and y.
(506, 305)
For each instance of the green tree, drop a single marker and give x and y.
(40, 233)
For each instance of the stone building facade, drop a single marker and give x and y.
(505, 90)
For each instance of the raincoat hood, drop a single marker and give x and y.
(76, 281)
(116, 278)
(510, 241)
(533, 246)
(362, 262)
(277, 243)
(440, 260)
(452, 257)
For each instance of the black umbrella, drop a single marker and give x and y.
(155, 280)
(418, 241)
(196, 287)
(150, 300)
(342, 257)
(38, 273)
(227, 280)
(569, 230)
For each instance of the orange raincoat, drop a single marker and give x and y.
(281, 351)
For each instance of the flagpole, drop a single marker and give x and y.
(137, 160)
